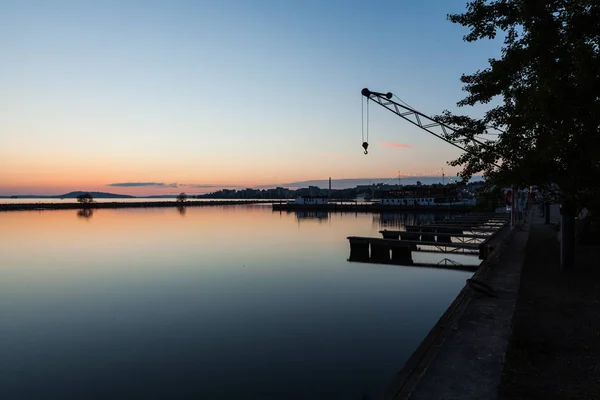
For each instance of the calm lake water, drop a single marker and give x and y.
(234, 302)
(99, 200)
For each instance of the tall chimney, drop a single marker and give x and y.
(329, 184)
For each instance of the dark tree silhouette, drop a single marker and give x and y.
(85, 198)
(547, 84)
(181, 198)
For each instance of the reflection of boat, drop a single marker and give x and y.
(401, 219)
(318, 215)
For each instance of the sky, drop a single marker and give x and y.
(159, 97)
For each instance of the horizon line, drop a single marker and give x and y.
(289, 185)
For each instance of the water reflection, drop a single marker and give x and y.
(171, 307)
(181, 210)
(85, 213)
(399, 220)
(320, 216)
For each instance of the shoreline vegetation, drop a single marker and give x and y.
(124, 204)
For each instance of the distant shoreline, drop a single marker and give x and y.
(124, 204)
(369, 207)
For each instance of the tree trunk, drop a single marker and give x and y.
(567, 238)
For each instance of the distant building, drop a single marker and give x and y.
(250, 193)
(408, 201)
(314, 191)
(426, 201)
(282, 193)
(314, 200)
(373, 186)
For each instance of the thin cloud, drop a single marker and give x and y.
(207, 186)
(163, 185)
(144, 184)
(396, 145)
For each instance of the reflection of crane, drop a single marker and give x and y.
(428, 124)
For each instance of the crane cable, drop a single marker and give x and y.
(486, 133)
(362, 117)
(402, 101)
(364, 129)
(410, 108)
(479, 142)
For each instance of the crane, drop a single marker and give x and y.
(428, 124)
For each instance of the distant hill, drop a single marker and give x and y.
(72, 195)
(96, 195)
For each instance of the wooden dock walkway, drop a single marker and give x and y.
(446, 236)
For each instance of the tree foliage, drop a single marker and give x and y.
(85, 198)
(181, 198)
(547, 86)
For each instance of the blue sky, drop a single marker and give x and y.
(222, 92)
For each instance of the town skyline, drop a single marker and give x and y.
(142, 189)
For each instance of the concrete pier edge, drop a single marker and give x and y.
(410, 379)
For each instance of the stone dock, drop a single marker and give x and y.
(463, 355)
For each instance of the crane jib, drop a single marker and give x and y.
(367, 93)
(417, 118)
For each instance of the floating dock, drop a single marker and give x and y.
(473, 233)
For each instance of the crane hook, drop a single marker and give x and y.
(365, 145)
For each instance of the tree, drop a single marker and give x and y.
(181, 198)
(85, 198)
(547, 83)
